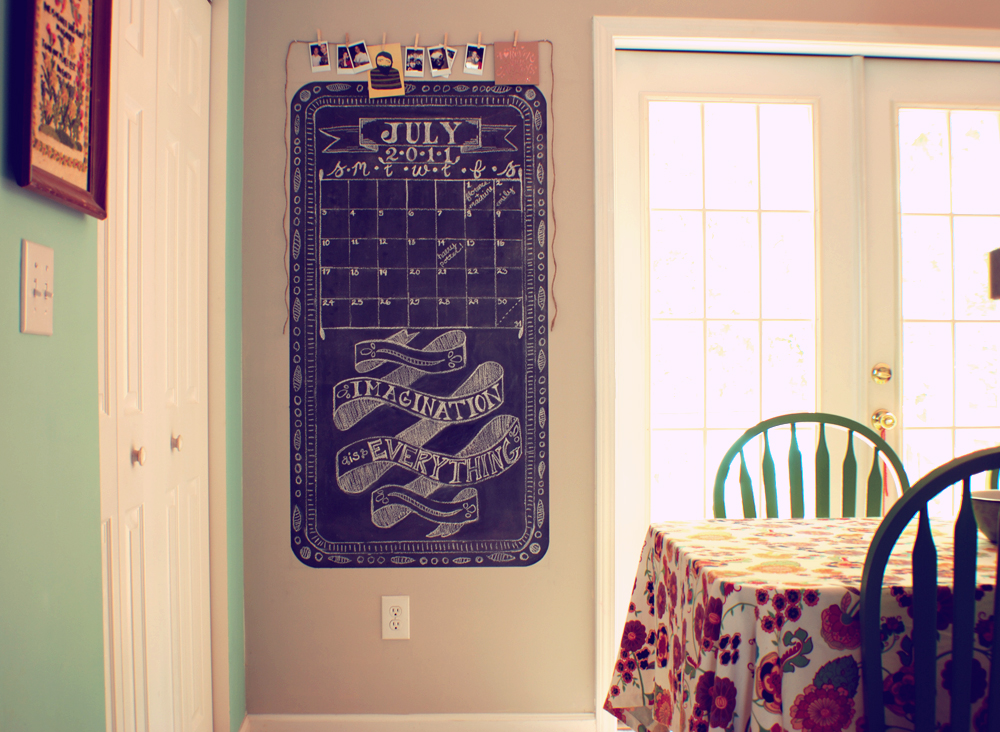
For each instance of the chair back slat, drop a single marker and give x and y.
(994, 480)
(770, 489)
(993, 715)
(822, 475)
(746, 489)
(964, 610)
(850, 497)
(942, 662)
(874, 499)
(763, 474)
(924, 625)
(795, 477)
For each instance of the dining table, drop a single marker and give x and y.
(752, 626)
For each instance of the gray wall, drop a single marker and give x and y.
(483, 640)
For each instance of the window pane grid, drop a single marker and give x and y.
(949, 201)
(732, 283)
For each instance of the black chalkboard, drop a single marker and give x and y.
(418, 326)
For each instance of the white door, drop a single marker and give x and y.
(767, 256)
(154, 466)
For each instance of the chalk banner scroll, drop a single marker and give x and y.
(418, 326)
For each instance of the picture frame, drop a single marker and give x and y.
(62, 149)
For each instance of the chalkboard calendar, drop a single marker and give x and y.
(418, 294)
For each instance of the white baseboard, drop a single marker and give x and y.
(419, 723)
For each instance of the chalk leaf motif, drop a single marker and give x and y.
(541, 234)
(402, 560)
(337, 87)
(541, 360)
(297, 179)
(298, 124)
(297, 378)
(502, 557)
(540, 512)
(541, 297)
(296, 518)
(296, 310)
(542, 419)
(541, 470)
(462, 88)
(461, 560)
(500, 89)
(296, 244)
(298, 439)
(340, 559)
(540, 173)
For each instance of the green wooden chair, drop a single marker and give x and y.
(926, 648)
(850, 468)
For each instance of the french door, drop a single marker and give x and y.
(782, 225)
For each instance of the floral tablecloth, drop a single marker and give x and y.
(752, 625)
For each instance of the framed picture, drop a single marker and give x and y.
(62, 151)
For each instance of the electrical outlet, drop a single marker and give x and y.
(37, 289)
(395, 617)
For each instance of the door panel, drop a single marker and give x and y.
(157, 506)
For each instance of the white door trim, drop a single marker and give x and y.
(695, 34)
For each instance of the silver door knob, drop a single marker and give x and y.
(139, 456)
(176, 443)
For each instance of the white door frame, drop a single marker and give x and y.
(694, 34)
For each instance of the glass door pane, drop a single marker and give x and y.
(732, 282)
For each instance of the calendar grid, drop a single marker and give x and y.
(379, 269)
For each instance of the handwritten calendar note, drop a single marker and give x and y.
(418, 326)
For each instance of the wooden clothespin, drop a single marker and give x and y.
(416, 40)
(347, 39)
(479, 40)
(319, 35)
(446, 39)
(383, 39)
(515, 37)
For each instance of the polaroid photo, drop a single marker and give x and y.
(414, 62)
(319, 56)
(359, 57)
(474, 58)
(344, 63)
(438, 56)
(386, 78)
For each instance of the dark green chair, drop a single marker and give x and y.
(926, 650)
(822, 461)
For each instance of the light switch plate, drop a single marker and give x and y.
(37, 288)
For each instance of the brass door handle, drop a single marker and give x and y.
(139, 456)
(883, 419)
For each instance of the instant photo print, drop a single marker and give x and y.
(319, 56)
(474, 57)
(344, 63)
(360, 57)
(414, 62)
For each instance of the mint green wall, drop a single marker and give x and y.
(51, 644)
(234, 361)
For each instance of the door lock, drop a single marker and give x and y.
(881, 373)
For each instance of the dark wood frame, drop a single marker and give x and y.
(93, 199)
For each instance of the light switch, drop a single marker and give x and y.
(37, 288)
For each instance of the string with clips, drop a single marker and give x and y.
(552, 162)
